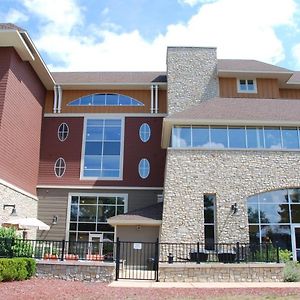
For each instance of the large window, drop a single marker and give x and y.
(271, 215)
(105, 100)
(103, 149)
(89, 214)
(235, 137)
(209, 221)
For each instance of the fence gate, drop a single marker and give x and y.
(136, 260)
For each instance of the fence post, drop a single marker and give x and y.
(118, 259)
(62, 250)
(156, 260)
(267, 252)
(277, 253)
(238, 252)
(198, 253)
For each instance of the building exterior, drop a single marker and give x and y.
(207, 151)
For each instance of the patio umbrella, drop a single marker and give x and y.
(26, 223)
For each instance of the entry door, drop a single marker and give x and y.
(296, 242)
(95, 244)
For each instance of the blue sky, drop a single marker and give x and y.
(133, 35)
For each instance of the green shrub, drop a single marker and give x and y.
(16, 268)
(285, 255)
(291, 271)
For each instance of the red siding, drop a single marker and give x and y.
(21, 124)
(70, 150)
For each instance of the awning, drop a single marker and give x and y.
(25, 223)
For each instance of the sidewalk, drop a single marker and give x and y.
(203, 285)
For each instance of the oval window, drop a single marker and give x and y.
(60, 167)
(145, 132)
(144, 168)
(63, 131)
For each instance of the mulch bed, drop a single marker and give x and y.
(60, 289)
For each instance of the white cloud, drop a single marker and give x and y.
(194, 2)
(15, 16)
(237, 28)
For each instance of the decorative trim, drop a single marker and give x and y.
(44, 186)
(134, 222)
(100, 115)
(19, 190)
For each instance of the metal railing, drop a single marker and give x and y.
(167, 252)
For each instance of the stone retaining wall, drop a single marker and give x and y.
(75, 270)
(221, 272)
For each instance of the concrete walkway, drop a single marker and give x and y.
(202, 285)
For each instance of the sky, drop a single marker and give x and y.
(133, 35)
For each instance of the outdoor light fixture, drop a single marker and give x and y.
(234, 208)
(54, 220)
(13, 212)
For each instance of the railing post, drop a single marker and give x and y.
(156, 260)
(277, 253)
(198, 253)
(62, 250)
(118, 259)
(267, 252)
(238, 252)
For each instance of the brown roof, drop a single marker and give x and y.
(236, 65)
(10, 26)
(153, 212)
(109, 77)
(246, 109)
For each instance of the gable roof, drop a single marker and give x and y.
(150, 215)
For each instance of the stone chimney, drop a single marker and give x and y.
(192, 76)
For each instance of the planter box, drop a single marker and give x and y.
(201, 255)
(71, 257)
(226, 257)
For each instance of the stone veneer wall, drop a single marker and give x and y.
(192, 76)
(221, 272)
(26, 206)
(232, 176)
(73, 270)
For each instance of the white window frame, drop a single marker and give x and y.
(82, 177)
(246, 91)
(141, 132)
(70, 195)
(59, 167)
(139, 168)
(67, 131)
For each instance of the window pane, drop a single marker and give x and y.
(87, 213)
(105, 212)
(274, 213)
(99, 99)
(290, 138)
(145, 132)
(92, 162)
(111, 162)
(255, 137)
(111, 148)
(254, 234)
(110, 173)
(107, 200)
(252, 212)
(74, 212)
(144, 168)
(112, 99)
(219, 137)
(279, 196)
(272, 138)
(113, 122)
(209, 208)
(295, 213)
(105, 227)
(112, 133)
(200, 136)
(294, 195)
(87, 100)
(88, 200)
(86, 226)
(95, 122)
(92, 173)
(93, 148)
(209, 233)
(277, 234)
(181, 137)
(94, 133)
(237, 137)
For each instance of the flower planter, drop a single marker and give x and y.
(226, 257)
(202, 256)
(71, 257)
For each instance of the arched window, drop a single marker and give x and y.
(144, 168)
(63, 131)
(60, 167)
(145, 132)
(105, 100)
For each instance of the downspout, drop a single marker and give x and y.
(156, 99)
(55, 99)
(152, 102)
(59, 98)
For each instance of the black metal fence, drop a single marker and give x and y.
(221, 252)
(141, 254)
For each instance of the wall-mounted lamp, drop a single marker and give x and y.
(13, 212)
(54, 220)
(234, 208)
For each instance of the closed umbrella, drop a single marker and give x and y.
(26, 223)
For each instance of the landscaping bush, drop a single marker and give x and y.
(285, 255)
(291, 271)
(16, 268)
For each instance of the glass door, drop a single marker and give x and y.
(95, 244)
(296, 242)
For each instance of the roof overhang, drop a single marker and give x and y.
(133, 222)
(28, 52)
